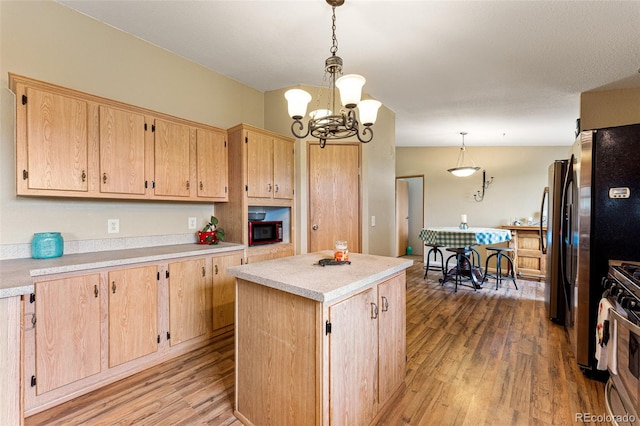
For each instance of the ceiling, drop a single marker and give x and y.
(506, 72)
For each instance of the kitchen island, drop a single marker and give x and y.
(319, 344)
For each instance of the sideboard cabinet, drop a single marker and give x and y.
(528, 259)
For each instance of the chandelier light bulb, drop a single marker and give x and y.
(368, 110)
(297, 101)
(350, 86)
(319, 113)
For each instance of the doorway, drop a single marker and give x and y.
(415, 208)
(334, 196)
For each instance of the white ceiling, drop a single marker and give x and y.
(506, 72)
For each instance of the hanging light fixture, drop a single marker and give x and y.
(462, 170)
(327, 124)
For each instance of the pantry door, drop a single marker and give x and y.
(334, 195)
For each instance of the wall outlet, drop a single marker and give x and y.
(192, 223)
(113, 226)
(373, 221)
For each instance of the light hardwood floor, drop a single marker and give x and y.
(474, 358)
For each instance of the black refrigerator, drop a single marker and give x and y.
(600, 221)
(551, 210)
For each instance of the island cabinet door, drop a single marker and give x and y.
(392, 331)
(353, 360)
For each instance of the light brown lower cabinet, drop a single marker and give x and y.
(269, 252)
(133, 313)
(187, 300)
(67, 338)
(299, 361)
(85, 330)
(224, 290)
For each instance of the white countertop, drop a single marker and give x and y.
(301, 275)
(16, 275)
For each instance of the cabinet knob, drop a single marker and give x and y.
(314, 227)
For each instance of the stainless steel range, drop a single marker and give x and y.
(622, 392)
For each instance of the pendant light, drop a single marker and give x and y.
(461, 169)
(329, 123)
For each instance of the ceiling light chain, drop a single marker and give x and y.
(334, 39)
(327, 124)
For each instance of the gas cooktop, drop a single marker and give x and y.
(630, 271)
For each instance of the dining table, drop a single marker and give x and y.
(456, 237)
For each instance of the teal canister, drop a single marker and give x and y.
(46, 245)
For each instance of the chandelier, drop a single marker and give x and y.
(462, 170)
(326, 124)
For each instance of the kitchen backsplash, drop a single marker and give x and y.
(19, 251)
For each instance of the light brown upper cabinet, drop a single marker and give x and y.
(212, 164)
(269, 166)
(73, 144)
(122, 151)
(52, 150)
(171, 142)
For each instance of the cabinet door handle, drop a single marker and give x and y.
(385, 304)
(95, 290)
(374, 311)
(84, 176)
(113, 287)
(216, 269)
(104, 178)
(269, 187)
(187, 184)
(201, 186)
(277, 188)
(203, 272)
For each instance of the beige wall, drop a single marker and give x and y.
(49, 42)
(520, 175)
(609, 108)
(378, 175)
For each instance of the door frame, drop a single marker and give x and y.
(422, 204)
